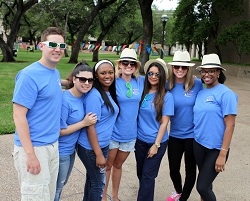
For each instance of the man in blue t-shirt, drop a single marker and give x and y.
(37, 103)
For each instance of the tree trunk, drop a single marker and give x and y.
(147, 20)
(83, 30)
(7, 48)
(7, 52)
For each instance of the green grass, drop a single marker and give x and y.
(24, 58)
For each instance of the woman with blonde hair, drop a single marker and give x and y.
(129, 87)
(184, 88)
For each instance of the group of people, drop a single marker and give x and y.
(108, 111)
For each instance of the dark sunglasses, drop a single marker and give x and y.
(126, 63)
(54, 45)
(183, 67)
(150, 74)
(84, 79)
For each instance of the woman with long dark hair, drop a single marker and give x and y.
(156, 107)
(73, 119)
(93, 142)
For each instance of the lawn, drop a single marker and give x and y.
(24, 58)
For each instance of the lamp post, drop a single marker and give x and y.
(164, 19)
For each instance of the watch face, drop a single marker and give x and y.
(157, 145)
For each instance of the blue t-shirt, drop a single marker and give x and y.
(125, 129)
(182, 125)
(72, 112)
(211, 106)
(148, 126)
(105, 119)
(38, 88)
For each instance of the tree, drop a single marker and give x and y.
(239, 35)
(147, 19)
(65, 14)
(198, 21)
(116, 12)
(12, 12)
(34, 21)
(96, 8)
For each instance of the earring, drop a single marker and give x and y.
(218, 76)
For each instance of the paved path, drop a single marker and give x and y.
(231, 185)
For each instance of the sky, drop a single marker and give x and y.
(166, 4)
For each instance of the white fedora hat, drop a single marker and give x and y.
(129, 55)
(210, 61)
(181, 59)
(159, 61)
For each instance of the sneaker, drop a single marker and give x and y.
(174, 197)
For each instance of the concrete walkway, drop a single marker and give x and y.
(231, 185)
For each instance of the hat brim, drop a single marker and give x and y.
(177, 63)
(148, 63)
(209, 66)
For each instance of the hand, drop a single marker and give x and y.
(33, 164)
(152, 151)
(100, 161)
(220, 163)
(90, 119)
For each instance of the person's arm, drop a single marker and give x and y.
(88, 120)
(163, 127)
(22, 127)
(221, 159)
(64, 83)
(93, 140)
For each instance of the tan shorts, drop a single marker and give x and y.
(40, 187)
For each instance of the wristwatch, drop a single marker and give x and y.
(157, 145)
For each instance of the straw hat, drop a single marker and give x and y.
(181, 59)
(129, 55)
(210, 61)
(159, 61)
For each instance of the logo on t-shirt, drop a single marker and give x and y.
(210, 99)
(135, 91)
(188, 93)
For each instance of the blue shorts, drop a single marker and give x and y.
(122, 146)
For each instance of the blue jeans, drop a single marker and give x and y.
(65, 167)
(95, 177)
(147, 168)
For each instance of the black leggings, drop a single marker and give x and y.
(176, 148)
(205, 159)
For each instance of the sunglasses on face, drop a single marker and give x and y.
(84, 80)
(209, 72)
(150, 74)
(183, 67)
(126, 63)
(54, 45)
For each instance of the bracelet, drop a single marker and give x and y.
(224, 149)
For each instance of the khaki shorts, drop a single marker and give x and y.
(40, 187)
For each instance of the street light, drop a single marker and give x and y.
(164, 19)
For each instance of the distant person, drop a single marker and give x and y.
(215, 111)
(184, 88)
(156, 108)
(93, 142)
(73, 119)
(129, 88)
(37, 104)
